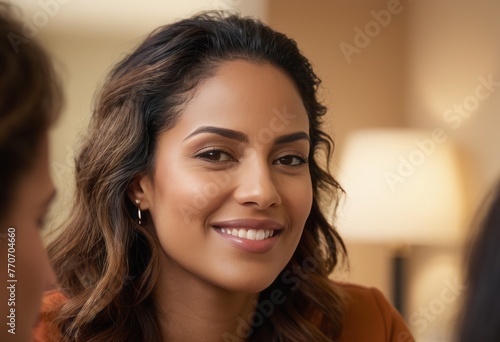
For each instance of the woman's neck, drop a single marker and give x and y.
(194, 310)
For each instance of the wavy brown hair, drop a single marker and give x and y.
(107, 263)
(30, 102)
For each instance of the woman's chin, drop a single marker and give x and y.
(250, 285)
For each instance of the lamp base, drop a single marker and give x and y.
(399, 259)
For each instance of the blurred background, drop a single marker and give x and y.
(412, 91)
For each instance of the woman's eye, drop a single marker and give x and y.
(215, 156)
(291, 160)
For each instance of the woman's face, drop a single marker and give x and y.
(231, 188)
(25, 270)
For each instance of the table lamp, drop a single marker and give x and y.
(403, 188)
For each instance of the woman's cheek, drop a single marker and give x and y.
(300, 197)
(202, 194)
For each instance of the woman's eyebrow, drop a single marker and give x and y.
(288, 138)
(242, 137)
(224, 132)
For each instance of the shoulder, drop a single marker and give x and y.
(45, 331)
(370, 317)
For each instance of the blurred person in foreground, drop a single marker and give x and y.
(480, 319)
(29, 104)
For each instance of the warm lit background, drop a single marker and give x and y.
(413, 69)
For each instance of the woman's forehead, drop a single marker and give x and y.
(247, 94)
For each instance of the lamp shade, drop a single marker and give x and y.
(402, 186)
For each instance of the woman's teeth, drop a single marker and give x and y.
(249, 234)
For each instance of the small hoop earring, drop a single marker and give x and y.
(139, 214)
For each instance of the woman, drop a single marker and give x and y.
(197, 214)
(481, 309)
(29, 104)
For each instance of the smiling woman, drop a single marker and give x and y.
(197, 213)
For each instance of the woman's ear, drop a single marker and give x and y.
(140, 191)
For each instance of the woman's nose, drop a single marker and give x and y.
(256, 186)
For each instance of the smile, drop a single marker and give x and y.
(249, 234)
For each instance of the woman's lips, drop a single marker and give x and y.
(256, 236)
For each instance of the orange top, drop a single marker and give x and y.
(369, 317)
(46, 332)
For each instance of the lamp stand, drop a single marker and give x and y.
(399, 261)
